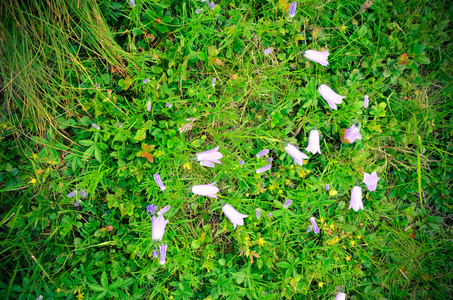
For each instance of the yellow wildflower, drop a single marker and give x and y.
(343, 28)
(332, 227)
(320, 284)
(352, 243)
(80, 296)
(333, 193)
(33, 181)
(261, 241)
(348, 258)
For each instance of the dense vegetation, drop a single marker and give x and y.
(98, 96)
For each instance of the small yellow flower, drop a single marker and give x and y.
(187, 166)
(333, 193)
(287, 182)
(321, 220)
(33, 181)
(261, 241)
(58, 290)
(247, 238)
(104, 230)
(348, 258)
(34, 156)
(332, 227)
(320, 284)
(80, 296)
(272, 187)
(343, 28)
(359, 237)
(352, 243)
(280, 191)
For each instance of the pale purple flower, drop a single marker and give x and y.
(72, 194)
(83, 193)
(163, 253)
(288, 203)
(296, 154)
(118, 124)
(241, 162)
(352, 134)
(269, 160)
(292, 9)
(132, 3)
(330, 96)
(213, 81)
(309, 228)
(258, 213)
(168, 104)
(212, 5)
(148, 106)
(151, 209)
(158, 228)
(327, 187)
(235, 217)
(313, 142)
(340, 296)
(366, 101)
(163, 210)
(262, 153)
(314, 225)
(371, 181)
(198, 11)
(97, 85)
(159, 182)
(291, 185)
(95, 126)
(356, 199)
(145, 81)
(39, 298)
(155, 254)
(263, 169)
(77, 203)
(209, 157)
(208, 190)
(269, 215)
(319, 57)
(267, 51)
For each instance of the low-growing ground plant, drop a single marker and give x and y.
(190, 149)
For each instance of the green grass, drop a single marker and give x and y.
(68, 64)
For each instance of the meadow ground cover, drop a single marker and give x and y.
(262, 149)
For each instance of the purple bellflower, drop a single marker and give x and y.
(356, 199)
(340, 296)
(319, 57)
(314, 225)
(330, 96)
(366, 101)
(269, 215)
(262, 153)
(371, 181)
(95, 126)
(313, 142)
(72, 194)
(132, 3)
(163, 210)
(292, 10)
(309, 228)
(83, 193)
(39, 298)
(163, 253)
(209, 157)
(148, 106)
(241, 162)
(288, 203)
(159, 182)
(263, 169)
(213, 81)
(208, 190)
(267, 51)
(296, 154)
(212, 5)
(258, 213)
(158, 229)
(352, 134)
(235, 217)
(198, 11)
(327, 187)
(155, 254)
(151, 209)
(145, 81)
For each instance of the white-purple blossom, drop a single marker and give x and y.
(371, 181)
(262, 153)
(327, 187)
(314, 225)
(158, 228)
(212, 5)
(155, 254)
(356, 199)
(235, 217)
(82, 193)
(208, 190)
(151, 209)
(132, 3)
(148, 106)
(309, 228)
(213, 81)
(353, 133)
(288, 203)
(267, 51)
(159, 182)
(263, 169)
(296, 154)
(198, 11)
(209, 157)
(366, 101)
(95, 126)
(313, 142)
(163, 253)
(163, 210)
(39, 298)
(269, 215)
(241, 162)
(258, 213)
(330, 96)
(319, 57)
(77, 203)
(340, 296)
(72, 194)
(119, 125)
(168, 104)
(292, 9)
(145, 81)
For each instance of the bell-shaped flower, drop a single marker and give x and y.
(208, 190)
(267, 51)
(95, 126)
(292, 9)
(288, 203)
(319, 57)
(163, 210)
(269, 215)
(212, 5)
(371, 181)
(148, 106)
(163, 253)
(330, 96)
(39, 298)
(263, 169)
(235, 217)
(119, 125)
(314, 225)
(352, 134)
(83, 193)
(151, 209)
(155, 254)
(309, 228)
(145, 81)
(356, 199)
(296, 154)
(159, 182)
(158, 228)
(72, 194)
(132, 3)
(313, 142)
(209, 157)
(340, 296)
(327, 187)
(366, 101)
(198, 11)
(262, 153)
(213, 81)
(241, 162)
(258, 213)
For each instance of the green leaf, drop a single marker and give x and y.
(96, 288)
(86, 142)
(104, 280)
(140, 135)
(363, 30)
(88, 153)
(97, 154)
(202, 56)
(422, 59)
(348, 228)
